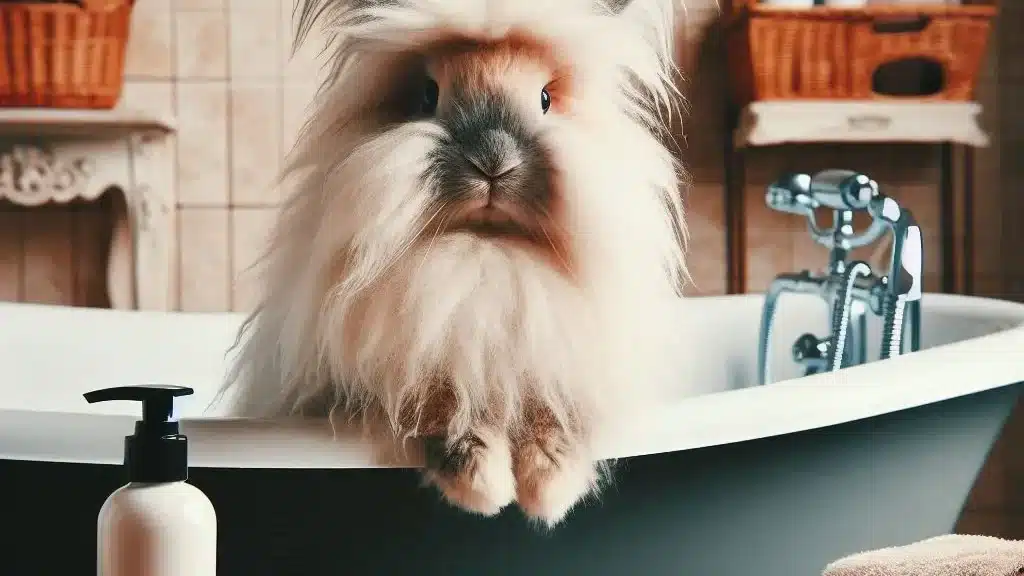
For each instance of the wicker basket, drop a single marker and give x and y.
(65, 54)
(834, 53)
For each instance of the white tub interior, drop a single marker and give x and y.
(50, 356)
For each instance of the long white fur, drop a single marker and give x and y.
(357, 303)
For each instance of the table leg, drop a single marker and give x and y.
(151, 208)
(956, 197)
(121, 259)
(966, 180)
(735, 216)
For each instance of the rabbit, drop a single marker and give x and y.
(482, 235)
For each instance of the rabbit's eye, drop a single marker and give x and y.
(545, 100)
(430, 94)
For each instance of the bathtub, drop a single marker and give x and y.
(736, 480)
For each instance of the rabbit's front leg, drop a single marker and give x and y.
(474, 470)
(552, 468)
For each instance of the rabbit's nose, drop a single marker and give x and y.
(495, 170)
(496, 156)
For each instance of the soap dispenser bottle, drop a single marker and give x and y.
(157, 524)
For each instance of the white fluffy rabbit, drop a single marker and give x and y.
(482, 241)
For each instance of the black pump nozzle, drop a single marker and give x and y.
(157, 401)
(157, 452)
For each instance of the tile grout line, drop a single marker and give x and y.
(230, 168)
(175, 178)
(230, 206)
(281, 63)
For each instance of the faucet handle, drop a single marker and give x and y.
(811, 350)
(842, 189)
(791, 193)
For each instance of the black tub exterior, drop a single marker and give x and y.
(781, 506)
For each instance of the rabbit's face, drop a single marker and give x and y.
(490, 171)
(529, 127)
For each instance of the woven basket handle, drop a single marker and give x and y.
(103, 5)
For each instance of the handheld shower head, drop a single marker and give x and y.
(906, 274)
(907, 261)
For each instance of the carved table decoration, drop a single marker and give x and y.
(56, 156)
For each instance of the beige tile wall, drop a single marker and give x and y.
(222, 68)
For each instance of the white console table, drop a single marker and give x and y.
(56, 156)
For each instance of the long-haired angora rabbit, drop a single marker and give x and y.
(483, 239)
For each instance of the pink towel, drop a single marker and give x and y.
(952, 555)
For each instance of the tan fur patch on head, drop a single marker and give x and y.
(482, 66)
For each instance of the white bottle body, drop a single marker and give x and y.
(158, 529)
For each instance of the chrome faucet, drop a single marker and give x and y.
(850, 289)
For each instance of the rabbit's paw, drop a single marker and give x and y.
(473, 472)
(552, 476)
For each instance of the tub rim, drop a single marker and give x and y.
(784, 407)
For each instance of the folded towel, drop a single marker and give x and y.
(951, 555)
